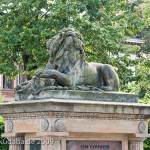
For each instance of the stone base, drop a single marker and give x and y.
(80, 95)
(75, 125)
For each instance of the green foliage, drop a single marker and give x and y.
(144, 65)
(145, 34)
(26, 26)
(1, 118)
(23, 33)
(146, 15)
(143, 79)
(4, 145)
(139, 83)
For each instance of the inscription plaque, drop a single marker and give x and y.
(94, 145)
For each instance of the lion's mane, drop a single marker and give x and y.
(60, 48)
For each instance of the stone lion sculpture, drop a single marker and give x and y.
(67, 66)
(68, 70)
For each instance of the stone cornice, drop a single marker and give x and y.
(79, 115)
(74, 106)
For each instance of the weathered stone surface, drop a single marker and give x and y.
(81, 95)
(63, 120)
(76, 116)
(67, 69)
(74, 106)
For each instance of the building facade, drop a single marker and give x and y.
(7, 86)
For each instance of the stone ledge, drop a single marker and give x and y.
(59, 105)
(81, 95)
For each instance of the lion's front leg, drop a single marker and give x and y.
(61, 78)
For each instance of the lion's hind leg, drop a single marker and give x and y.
(109, 77)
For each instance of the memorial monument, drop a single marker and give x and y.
(74, 105)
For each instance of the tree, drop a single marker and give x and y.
(26, 26)
(143, 63)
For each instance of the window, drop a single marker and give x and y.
(7, 83)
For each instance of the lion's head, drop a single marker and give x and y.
(65, 49)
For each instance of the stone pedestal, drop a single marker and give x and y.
(57, 124)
